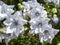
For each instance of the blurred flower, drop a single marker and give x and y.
(54, 1)
(2, 31)
(47, 33)
(1, 3)
(36, 12)
(31, 8)
(15, 23)
(2, 16)
(14, 26)
(37, 23)
(5, 10)
(9, 37)
(11, 6)
(1, 37)
(55, 19)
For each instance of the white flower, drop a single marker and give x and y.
(5, 10)
(1, 2)
(47, 34)
(2, 16)
(11, 6)
(15, 23)
(9, 37)
(1, 38)
(55, 20)
(54, 1)
(32, 7)
(37, 12)
(36, 23)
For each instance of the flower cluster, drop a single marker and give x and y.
(14, 23)
(54, 1)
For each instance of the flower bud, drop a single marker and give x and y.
(20, 6)
(54, 10)
(55, 19)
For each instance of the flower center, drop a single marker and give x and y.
(15, 22)
(37, 13)
(46, 32)
(39, 24)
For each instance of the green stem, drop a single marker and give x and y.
(43, 43)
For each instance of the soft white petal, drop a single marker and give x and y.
(8, 21)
